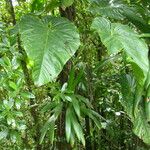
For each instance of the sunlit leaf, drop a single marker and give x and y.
(48, 125)
(50, 44)
(3, 134)
(141, 126)
(117, 37)
(68, 124)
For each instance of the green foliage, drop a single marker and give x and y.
(65, 86)
(121, 10)
(76, 108)
(49, 44)
(140, 120)
(52, 4)
(37, 5)
(67, 3)
(117, 37)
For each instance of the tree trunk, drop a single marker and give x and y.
(62, 144)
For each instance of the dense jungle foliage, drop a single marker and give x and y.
(74, 75)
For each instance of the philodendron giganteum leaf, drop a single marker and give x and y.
(119, 9)
(117, 37)
(141, 126)
(49, 42)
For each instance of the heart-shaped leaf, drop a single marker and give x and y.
(50, 42)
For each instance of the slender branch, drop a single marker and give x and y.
(11, 11)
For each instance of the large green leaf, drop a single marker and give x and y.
(76, 106)
(93, 116)
(77, 128)
(68, 124)
(73, 126)
(49, 125)
(119, 9)
(50, 42)
(141, 127)
(107, 8)
(117, 37)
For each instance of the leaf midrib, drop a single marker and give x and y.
(44, 49)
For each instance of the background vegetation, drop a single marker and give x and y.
(74, 74)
